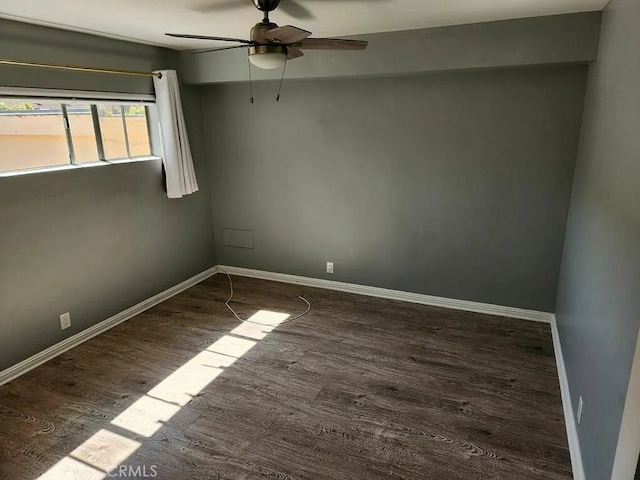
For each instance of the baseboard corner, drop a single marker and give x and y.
(39, 358)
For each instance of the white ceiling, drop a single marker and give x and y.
(146, 21)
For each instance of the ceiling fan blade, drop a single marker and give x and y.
(205, 37)
(331, 44)
(296, 10)
(195, 52)
(287, 34)
(293, 53)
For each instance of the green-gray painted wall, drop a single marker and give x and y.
(454, 184)
(599, 297)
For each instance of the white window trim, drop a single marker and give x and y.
(83, 96)
(62, 168)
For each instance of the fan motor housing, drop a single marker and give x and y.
(260, 49)
(259, 31)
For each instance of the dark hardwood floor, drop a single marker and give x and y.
(359, 388)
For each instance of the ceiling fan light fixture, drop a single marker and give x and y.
(268, 57)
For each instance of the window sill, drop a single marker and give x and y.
(62, 168)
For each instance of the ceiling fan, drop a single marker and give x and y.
(270, 46)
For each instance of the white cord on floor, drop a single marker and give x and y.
(258, 323)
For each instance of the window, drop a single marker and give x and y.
(32, 135)
(38, 133)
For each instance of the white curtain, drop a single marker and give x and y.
(176, 156)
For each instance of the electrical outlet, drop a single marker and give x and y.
(329, 267)
(579, 412)
(65, 321)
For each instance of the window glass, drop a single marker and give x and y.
(83, 133)
(112, 129)
(43, 132)
(137, 130)
(32, 135)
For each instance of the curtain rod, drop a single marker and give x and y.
(79, 68)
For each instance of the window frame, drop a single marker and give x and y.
(93, 99)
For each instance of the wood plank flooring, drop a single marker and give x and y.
(359, 388)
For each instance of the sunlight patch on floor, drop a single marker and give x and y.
(106, 450)
(260, 325)
(93, 458)
(146, 416)
(232, 346)
(71, 469)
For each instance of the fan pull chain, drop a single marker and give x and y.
(250, 84)
(281, 79)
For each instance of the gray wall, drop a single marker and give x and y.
(91, 241)
(599, 296)
(21, 41)
(453, 184)
(510, 43)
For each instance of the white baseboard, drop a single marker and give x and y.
(466, 305)
(567, 406)
(38, 359)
